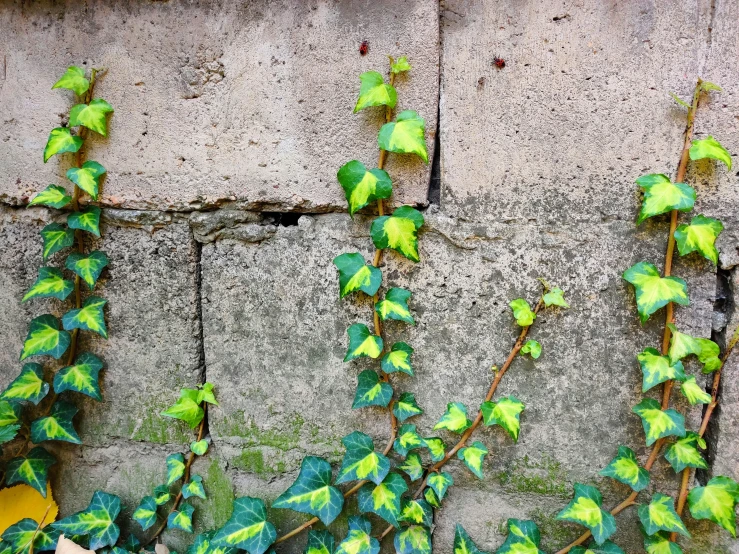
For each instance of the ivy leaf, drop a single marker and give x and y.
(53, 196)
(506, 413)
(431, 498)
(162, 494)
(414, 539)
(473, 456)
(412, 466)
(395, 306)
(132, 543)
(662, 195)
(375, 92)
(658, 423)
(660, 515)
(679, 100)
(205, 394)
(555, 297)
(92, 115)
(199, 447)
(358, 539)
(654, 292)
(606, 548)
(61, 141)
(319, 542)
(74, 80)
(684, 452)
(707, 86)
(194, 487)
(181, 518)
(405, 135)
(204, 545)
(371, 391)
(87, 220)
(362, 343)
(57, 426)
(681, 345)
(716, 502)
(50, 284)
(56, 238)
(625, 469)
(408, 439)
(700, 236)
(523, 538)
(146, 513)
(455, 418)
(709, 355)
(661, 544)
(398, 231)
(29, 385)
(363, 186)
(398, 359)
(312, 493)
(383, 499)
(531, 347)
(657, 369)
(416, 511)
(31, 469)
(175, 468)
(406, 407)
(45, 337)
(400, 65)
(355, 274)
(97, 521)
(522, 312)
(87, 177)
(186, 409)
(710, 148)
(88, 267)
(585, 509)
(248, 528)
(361, 461)
(463, 544)
(8, 433)
(436, 447)
(694, 393)
(9, 413)
(21, 535)
(81, 377)
(440, 483)
(89, 317)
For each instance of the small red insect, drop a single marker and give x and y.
(364, 48)
(498, 62)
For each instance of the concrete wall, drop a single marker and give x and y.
(230, 114)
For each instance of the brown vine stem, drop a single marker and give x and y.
(38, 528)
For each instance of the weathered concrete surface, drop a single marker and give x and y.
(216, 102)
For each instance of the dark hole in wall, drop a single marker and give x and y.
(284, 219)
(434, 196)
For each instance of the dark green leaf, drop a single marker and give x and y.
(80, 377)
(660, 515)
(146, 513)
(406, 406)
(355, 274)
(312, 492)
(97, 521)
(383, 499)
(398, 359)
(414, 539)
(181, 518)
(362, 343)
(585, 509)
(56, 238)
(89, 266)
(361, 461)
(57, 426)
(359, 539)
(408, 439)
(625, 468)
(29, 385)
(248, 528)
(395, 306)
(87, 220)
(50, 284)
(371, 391)
(31, 469)
(362, 185)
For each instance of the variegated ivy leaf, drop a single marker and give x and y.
(375, 92)
(405, 135)
(709, 355)
(406, 406)
(523, 538)
(199, 447)
(26, 533)
(473, 456)
(97, 521)
(31, 469)
(716, 502)
(187, 408)
(522, 312)
(659, 423)
(204, 545)
(395, 306)
(355, 274)
(87, 177)
(362, 343)
(9, 432)
(431, 498)
(74, 80)
(89, 266)
(657, 369)
(625, 469)
(555, 297)
(358, 540)
(398, 231)
(463, 544)
(412, 466)
(146, 513)
(437, 448)
(248, 528)
(194, 487)
(585, 509)
(92, 115)
(362, 185)
(29, 385)
(416, 511)
(414, 539)
(408, 439)
(505, 412)
(455, 418)
(56, 238)
(383, 499)
(5, 548)
(89, 317)
(80, 377)
(87, 220)
(57, 426)
(132, 544)
(175, 468)
(371, 391)
(400, 65)
(693, 392)
(531, 347)
(50, 284)
(662, 195)
(440, 483)
(660, 515)
(361, 461)
(700, 236)
(661, 544)
(654, 292)
(710, 148)
(45, 337)
(398, 359)
(53, 196)
(312, 493)
(181, 518)
(162, 494)
(60, 141)
(684, 452)
(681, 345)
(606, 548)
(319, 542)
(9, 413)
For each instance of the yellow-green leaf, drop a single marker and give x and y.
(60, 141)
(89, 266)
(383, 499)
(473, 456)
(45, 337)
(398, 359)
(31, 469)
(405, 135)
(657, 369)
(625, 469)
(710, 148)
(506, 413)
(654, 292)
(659, 423)
(662, 195)
(57, 426)
(522, 312)
(400, 65)
(88, 219)
(375, 92)
(395, 306)
(716, 502)
(312, 493)
(29, 385)
(87, 177)
(414, 539)
(681, 345)
(53, 196)
(440, 483)
(684, 452)
(406, 407)
(82, 376)
(359, 539)
(55, 238)
(398, 231)
(355, 274)
(585, 509)
(146, 513)
(92, 115)
(175, 468)
(362, 343)
(693, 392)
(700, 236)
(89, 317)
(523, 538)
(362, 185)
(74, 80)
(361, 461)
(181, 518)
(660, 515)
(50, 284)
(408, 439)
(455, 418)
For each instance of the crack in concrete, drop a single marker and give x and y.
(203, 375)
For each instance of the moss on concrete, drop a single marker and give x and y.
(545, 477)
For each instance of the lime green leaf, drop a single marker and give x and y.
(56, 238)
(194, 487)
(658, 423)
(87, 220)
(654, 292)
(361, 461)
(473, 456)
(625, 469)
(362, 343)
(199, 447)
(660, 515)
(45, 337)
(371, 391)
(57, 426)
(455, 418)
(319, 542)
(400, 65)
(412, 466)
(406, 406)
(710, 148)
(506, 413)
(440, 483)
(709, 355)
(181, 518)
(87, 177)
(9, 413)
(408, 439)
(162, 494)
(398, 359)
(657, 369)
(523, 538)
(375, 92)
(175, 468)
(248, 528)
(716, 502)
(662, 195)
(81, 377)
(463, 544)
(205, 394)
(8, 433)
(606, 548)
(89, 317)
(21, 535)
(398, 231)
(707, 86)
(436, 447)
(362, 185)
(29, 385)
(97, 522)
(358, 540)
(395, 306)
(694, 393)
(679, 100)
(50, 283)
(74, 80)
(312, 493)
(700, 236)
(681, 345)
(555, 297)
(405, 135)
(31, 469)
(431, 498)
(684, 452)
(146, 513)
(53, 196)
(61, 141)
(522, 312)
(92, 115)
(383, 499)
(88, 267)
(416, 511)
(355, 274)
(661, 544)
(585, 509)
(414, 539)
(531, 347)
(186, 409)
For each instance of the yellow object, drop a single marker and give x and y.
(22, 501)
